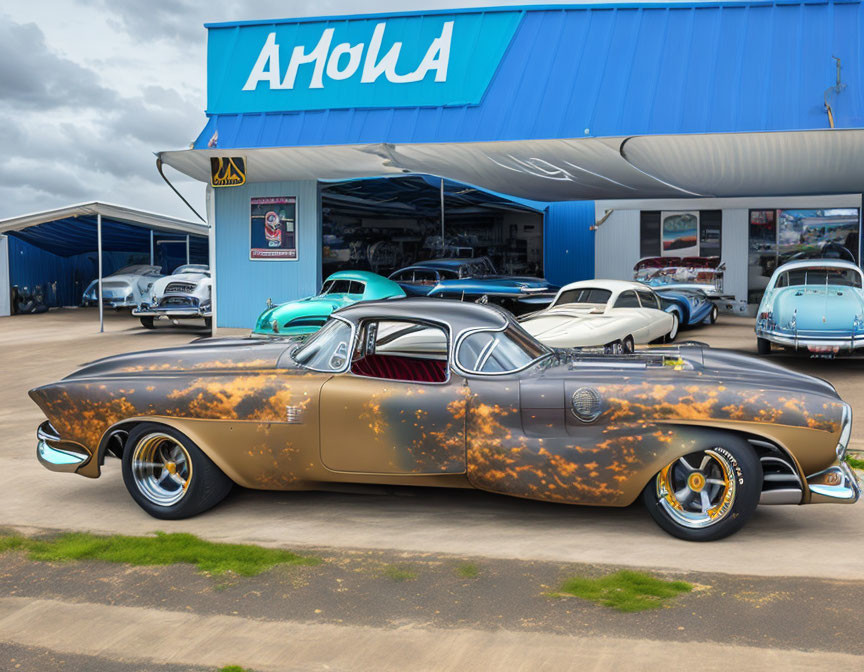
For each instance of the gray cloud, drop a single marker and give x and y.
(32, 77)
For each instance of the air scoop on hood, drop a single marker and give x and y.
(207, 354)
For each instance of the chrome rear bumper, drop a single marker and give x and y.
(836, 484)
(56, 455)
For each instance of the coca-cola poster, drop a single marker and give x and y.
(273, 232)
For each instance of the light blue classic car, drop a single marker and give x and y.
(817, 305)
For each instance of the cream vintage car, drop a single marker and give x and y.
(614, 314)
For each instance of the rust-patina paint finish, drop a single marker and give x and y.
(524, 439)
(270, 424)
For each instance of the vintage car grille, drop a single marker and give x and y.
(180, 288)
(781, 483)
(177, 301)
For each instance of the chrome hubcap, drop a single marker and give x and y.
(697, 490)
(161, 468)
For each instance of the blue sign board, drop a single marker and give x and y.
(400, 61)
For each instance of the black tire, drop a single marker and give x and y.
(614, 348)
(627, 345)
(763, 346)
(673, 332)
(743, 487)
(207, 485)
(712, 316)
(147, 322)
(208, 323)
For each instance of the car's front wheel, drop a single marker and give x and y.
(763, 346)
(147, 322)
(168, 475)
(707, 494)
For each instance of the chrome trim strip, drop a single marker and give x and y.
(781, 496)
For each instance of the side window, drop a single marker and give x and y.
(498, 351)
(356, 287)
(627, 300)
(402, 276)
(401, 350)
(648, 300)
(423, 277)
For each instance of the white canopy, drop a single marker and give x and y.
(661, 166)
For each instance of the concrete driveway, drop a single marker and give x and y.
(779, 541)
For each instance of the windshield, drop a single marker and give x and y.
(816, 275)
(499, 351)
(584, 295)
(328, 349)
(192, 268)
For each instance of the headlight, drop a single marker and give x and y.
(845, 431)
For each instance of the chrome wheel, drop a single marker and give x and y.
(698, 490)
(161, 468)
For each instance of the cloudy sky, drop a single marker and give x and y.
(90, 89)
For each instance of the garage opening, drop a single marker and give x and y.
(385, 224)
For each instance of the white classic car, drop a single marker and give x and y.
(183, 295)
(126, 288)
(613, 314)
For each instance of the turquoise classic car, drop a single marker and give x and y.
(815, 305)
(306, 316)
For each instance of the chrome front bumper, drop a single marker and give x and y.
(837, 484)
(55, 454)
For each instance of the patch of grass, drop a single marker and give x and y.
(468, 570)
(854, 462)
(163, 549)
(626, 590)
(399, 572)
(234, 668)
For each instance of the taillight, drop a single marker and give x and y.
(765, 316)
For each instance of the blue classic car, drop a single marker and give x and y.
(817, 305)
(691, 305)
(474, 280)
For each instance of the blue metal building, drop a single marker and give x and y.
(549, 103)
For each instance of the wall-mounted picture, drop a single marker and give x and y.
(273, 228)
(680, 234)
(829, 233)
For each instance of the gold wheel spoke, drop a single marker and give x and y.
(715, 481)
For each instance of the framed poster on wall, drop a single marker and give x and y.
(273, 228)
(680, 231)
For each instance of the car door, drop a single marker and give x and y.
(399, 409)
(657, 323)
(637, 318)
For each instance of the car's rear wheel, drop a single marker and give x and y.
(628, 345)
(707, 494)
(673, 332)
(168, 475)
(763, 346)
(712, 315)
(208, 322)
(147, 322)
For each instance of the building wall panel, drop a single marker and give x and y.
(245, 285)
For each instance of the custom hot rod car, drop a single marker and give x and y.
(817, 305)
(184, 295)
(691, 306)
(453, 394)
(614, 314)
(474, 280)
(306, 316)
(125, 288)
